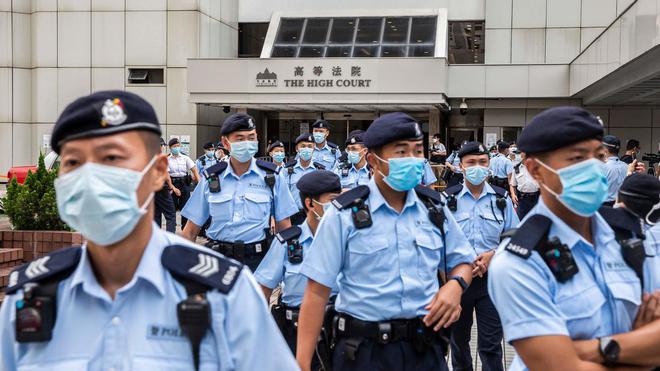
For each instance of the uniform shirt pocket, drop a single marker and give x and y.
(220, 207)
(367, 253)
(257, 206)
(582, 312)
(430, 254)
(627, 292)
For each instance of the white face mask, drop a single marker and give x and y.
(325, 206)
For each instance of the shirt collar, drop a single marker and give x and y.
(306, 233)
(149, 269)
(230, 170)
(613, 158)
(299, 165)
(487, 190)
(376, 199)
(363, 168)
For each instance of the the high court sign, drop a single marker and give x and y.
(378, 81)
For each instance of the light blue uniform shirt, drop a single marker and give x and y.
(615, 171)
(241, 210)
(209, 162)
(454, 160)
(428, 177)
(481, 220)
(652, 261)
(355, 176)
(389, 270)
(291, 180)
(276, 268)
(139, 329)
(501, 166)
(601, 299)
(325, 157)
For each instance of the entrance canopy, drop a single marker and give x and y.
(320, 84)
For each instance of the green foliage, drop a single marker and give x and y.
(32, 206)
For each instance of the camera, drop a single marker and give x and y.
(653, 159)
(226, 109)
(463, 108)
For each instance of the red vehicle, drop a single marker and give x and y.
(52, 161)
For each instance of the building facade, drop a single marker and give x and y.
(289, 62)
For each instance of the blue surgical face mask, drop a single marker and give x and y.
(278, 156)
(175, 151)
(354, 157)
(476, 174)
(210, 154)
(243, 151)
(305, 153)
(319, 137)
(584, 186)
(405, 172)
(100, 201)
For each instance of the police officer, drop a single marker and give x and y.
(561, 284)
(615, 169)
(277, 153)
(501, 167)
(456, 174)
(484, 212)
(524, 189)
(356, 172)
(282, 263)
(221, 153)
(384, 244)
(208, 159)
(180, 167)
(240, 195)
(325, 153)
(133, 297)
(296, 168)
(163, 203)
(428, 178)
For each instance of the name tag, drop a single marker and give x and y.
(162, 332)
(616, 266)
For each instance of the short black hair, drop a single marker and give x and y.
(304, 196)
(632, 143)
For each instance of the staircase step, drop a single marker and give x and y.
(10, 257)
(4, 277)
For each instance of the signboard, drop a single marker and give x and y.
(320, 75)
(45, 142)
(304, 128)
(491, 139)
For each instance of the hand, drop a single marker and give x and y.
(514, 199)
(176, 191)
(636, 167)
(649, 310)
(445, 308)
(481, 263)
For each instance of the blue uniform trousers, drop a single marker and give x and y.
(400, 355)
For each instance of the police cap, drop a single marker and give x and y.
(307, 137)
(103, 113)
(321, 124)
(611, 141)
(559, 127)
(472, 148)
(355, 137)
(642, 186)
(237, 122)
(208, 145)
(274, 145)
(162, 142)
(392, 127)
(173, 141)
(319, 182)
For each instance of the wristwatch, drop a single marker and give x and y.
(609, 349)
(460, 281)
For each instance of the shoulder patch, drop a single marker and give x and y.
(57, 265)
(454, 190)
(621, 219)
(267, 166)
(211, 270)
(529, 235)
(215, 170)
(200, 157)
(289, 234)
(428, 193)
(332, 145)
(319, 166)
(291, 163)
(348, 198)
(500, 191)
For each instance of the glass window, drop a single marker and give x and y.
(422, 30)
(251, 38)
(316, 31)
(289, 32)
(365, 51)
(284, 51)
(368, 31)
(311, 51)
(394, 51)
(396, 30)
(466, 42)
(342, 31)
(338, 51)
(421, 50)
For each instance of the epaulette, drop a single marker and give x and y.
(500, 191)
(529, 235)
(200, 157)
(210, 270)
(289, 234)
(621, 219)
(52, 267)
(215, 170)
(349, 198)
(267, 166)
(429, 194)
(454, 190)
(291, 163)
(319, 166)
(516, 167)
(332, 145)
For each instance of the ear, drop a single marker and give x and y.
(225, 142)
(308, 203)
(158, 173)
(533, 168)
(372, 160)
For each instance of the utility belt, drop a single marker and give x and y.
(385, 332)
(500, 182)
(528, 194)
(239, 250)
(182, 180)
(286, 317)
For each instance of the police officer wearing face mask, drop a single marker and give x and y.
(284, 259)
(484, 212)
(133, 296)
(277, 153)
(356, 172)
(325, 153)
(208, 159)
(184, 173)
(615, 169)
(384, 244)
(501, 167)
(241, 196)
(566, 295)
(164, 205)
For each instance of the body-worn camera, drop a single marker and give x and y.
(559, 259)
(294, 251)
(361, 215)
(214, 184)
(35, 315)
